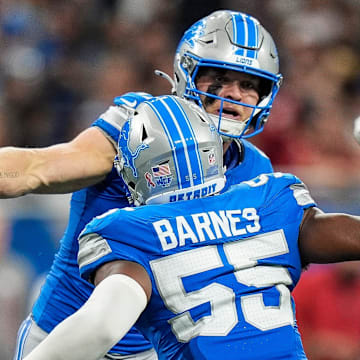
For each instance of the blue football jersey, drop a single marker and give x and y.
(64, 292)
(244, 161)
(222, 269)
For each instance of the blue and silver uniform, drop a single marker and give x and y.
(222, 269)
(64, 292)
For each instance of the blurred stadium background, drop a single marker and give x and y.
(62, 63)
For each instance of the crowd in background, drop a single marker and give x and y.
(62, 63)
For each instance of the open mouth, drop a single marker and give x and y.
(230, 113)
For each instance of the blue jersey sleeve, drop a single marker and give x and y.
(108, 237)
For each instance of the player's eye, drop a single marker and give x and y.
(221, 79)
(247, 85)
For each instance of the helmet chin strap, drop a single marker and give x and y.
(228, 126)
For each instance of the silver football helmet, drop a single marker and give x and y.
(232, 41)
(169, 151)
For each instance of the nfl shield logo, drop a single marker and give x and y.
(211, 158)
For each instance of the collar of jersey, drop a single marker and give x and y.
(234, 154)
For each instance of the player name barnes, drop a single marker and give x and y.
(204, 226)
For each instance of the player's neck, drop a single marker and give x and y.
(226, 145)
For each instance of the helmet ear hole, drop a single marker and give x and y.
(202, 118)
(144, 134)
(131, 185)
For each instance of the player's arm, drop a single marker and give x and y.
(59, 168)
(121, 294)
(327, 238)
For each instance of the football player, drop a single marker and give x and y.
(227, 63)
(203, 276)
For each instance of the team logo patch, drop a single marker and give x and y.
(128, 155)
(162, 175)
(196, 31)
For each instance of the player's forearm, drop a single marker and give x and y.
(48, 170)
(15, 179)
(59, 170)
(55, 169)
(328, 238)
(92, 331)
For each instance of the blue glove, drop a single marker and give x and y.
(132, 99)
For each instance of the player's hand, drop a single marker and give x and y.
(356, 130)
(132, 99)
(124, 107)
